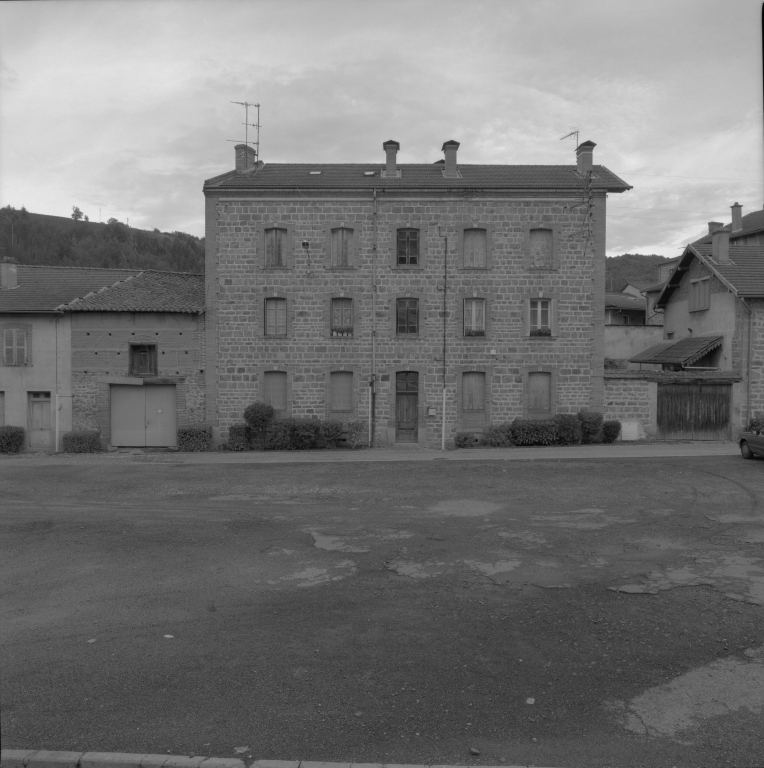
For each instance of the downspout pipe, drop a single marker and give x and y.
(748, 363)
(373, 377)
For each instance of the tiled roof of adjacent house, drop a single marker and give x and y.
(625, 301)
(752, 222)
(42, 289)
(430, 175)
(82, 289)
(745, 270)
(683, 352)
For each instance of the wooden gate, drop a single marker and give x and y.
(694, 411)
(406, 406)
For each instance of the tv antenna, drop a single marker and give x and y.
(247, 125)
(573, 132)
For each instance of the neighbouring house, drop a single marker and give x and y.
(626, 333)
(710, 378)
(385, 291)
(624, 309)
(75, 338)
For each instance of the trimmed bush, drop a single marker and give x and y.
(331, 432)
(358, 433)
(305, 434)
(259, 417)
(498, 436)
(569, 430)
(194, 437)
(534, 432)
(610, 431)
(280, 435)
(81, 442)
(591, 426)
(466, 440)
(238, 437)
(11, 439)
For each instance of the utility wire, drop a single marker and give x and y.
(702, 178)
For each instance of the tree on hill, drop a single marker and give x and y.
(631, 268)
(76, 213)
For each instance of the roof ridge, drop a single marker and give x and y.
(93, 269)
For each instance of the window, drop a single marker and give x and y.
(475, 248)
(275, 247)
(15, 346)
(342, 317)
(625, 319)
(143, 359)
(342, 247)
(700, 294)
(275, 391)
(341, 391)
(540, 393)
(275, 317)
(473, 400)
(540, 319)
(407, 317)
(541, 248)
(474, 317)
(408, 247)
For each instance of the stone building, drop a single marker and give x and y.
(379, 292)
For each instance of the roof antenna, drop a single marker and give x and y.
(573, 132)
(247, 124)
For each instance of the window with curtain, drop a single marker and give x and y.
(275, 317)
(474, 317)
(541, 317)
(342, 317)
(475, 248)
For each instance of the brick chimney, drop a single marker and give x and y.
(737, 218)
(720, 247)
(8, 274)
(450, 171)
(585, 156)
(713, 226)
(391, 148)
(245, 157)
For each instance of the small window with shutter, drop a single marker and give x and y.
(276, 317)
(342, 247)
(15, 346)
(475, 248)
(143, 359)
(700, 294)
(275, 247)
(341, 391)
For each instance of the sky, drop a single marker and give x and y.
(123, 107)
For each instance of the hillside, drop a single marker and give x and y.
(631, 267)
(63, 242)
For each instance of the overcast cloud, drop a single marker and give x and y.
(124, 105)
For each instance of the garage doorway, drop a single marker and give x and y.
(143, 416)
(694, 411)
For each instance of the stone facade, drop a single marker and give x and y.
(240, 283)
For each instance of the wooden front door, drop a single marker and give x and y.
(406, 406)
(143, 416)
(694, 411)
(40, 432)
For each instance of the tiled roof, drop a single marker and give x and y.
(752, 222)
(42, 289)
(352, 176)
(638, 285)
(745, 271)
(654, 287)
(625, 301)
(683, 352)
(667, 376)
(149, 291)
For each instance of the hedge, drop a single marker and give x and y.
(467, 440)
(259, 416)
(569, 431)
(81, 442)
(358, 432)
(331, 432)
(533, 432)
(610, 431)
(195, 437)
(498, 436)
(11, 439)
(591, 425)
(238, 437)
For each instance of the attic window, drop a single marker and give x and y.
(368, 173)
(315, 173)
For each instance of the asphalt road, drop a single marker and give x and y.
(579, 614)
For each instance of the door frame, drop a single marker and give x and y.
(392, 423)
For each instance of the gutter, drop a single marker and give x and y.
(748, 362)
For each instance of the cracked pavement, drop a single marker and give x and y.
(386, 612)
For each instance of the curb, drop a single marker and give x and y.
(21, 758)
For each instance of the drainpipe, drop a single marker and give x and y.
(373, 378)
(445, 308)
(748, 364)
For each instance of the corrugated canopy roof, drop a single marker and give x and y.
(430, 175)
(625, 301)
(683, 352)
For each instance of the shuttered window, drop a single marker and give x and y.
(342, 245)
(342, 317)
(408, 247)
(275, 390)
(275, 317)
(143, 360)
(541, 243)
(15, 346)
(341, 391)
(540, 393)
(475, 248)
(700, 294)
(474, 317)
(473, 391)
(275, 246)
(407, 317)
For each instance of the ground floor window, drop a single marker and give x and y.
(275, 391)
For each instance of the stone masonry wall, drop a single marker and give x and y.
(244, 353)
(627, 400)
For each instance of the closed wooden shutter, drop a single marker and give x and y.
(275, 390)
(9, 347)
(541, 248)
(21, 347)
(275, 317)
(341, 390)
(274, 247)
(2, 409)
(540, 394)
(342, 241)
(475, 248)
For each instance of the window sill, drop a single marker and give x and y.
(474, 269)
(401, 268)
(408, 336)
(541, 338)
(274, 336)
(276, 269)
(703, 309)
(341, 269)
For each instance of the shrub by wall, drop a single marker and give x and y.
(331, 433)
(194, 437)
(358, 433)
(11, 439)
(534, 432)
(498, 436)
(259, 416)
(467, 440)
(305, 434)
(569, 430)
(591, 426)
(238, 437)
(81, 442)
(610, 431)
(280, 435)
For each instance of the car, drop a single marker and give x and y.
(751, 442)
